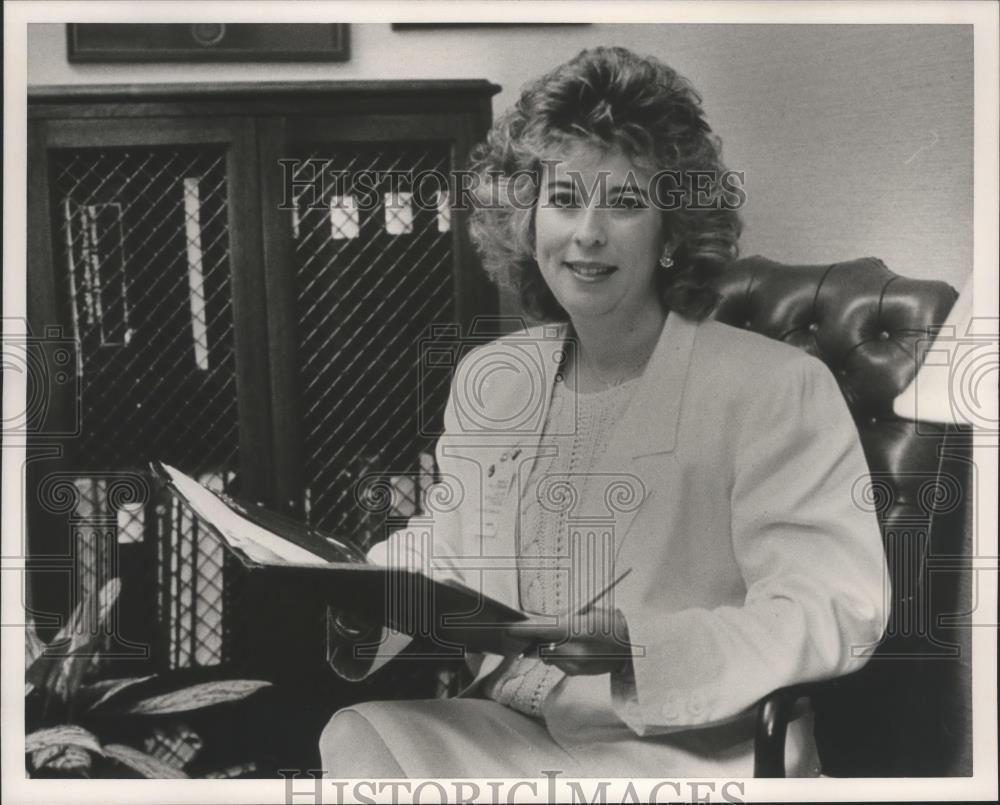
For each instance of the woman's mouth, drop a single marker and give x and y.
(590, 272)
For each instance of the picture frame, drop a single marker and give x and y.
(206, 42)
(430, 26)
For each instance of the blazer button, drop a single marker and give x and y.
(671, 707)
(696, 703)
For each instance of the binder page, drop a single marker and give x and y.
(256, 542)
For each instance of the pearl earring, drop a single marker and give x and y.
(666, 261)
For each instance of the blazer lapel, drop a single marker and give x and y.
(648, 428)
(551, 349)
(649, 424)
(522, 407)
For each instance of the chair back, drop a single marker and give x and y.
(871, 327)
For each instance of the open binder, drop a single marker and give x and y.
(451, 614)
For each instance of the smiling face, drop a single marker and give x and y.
(598, 255)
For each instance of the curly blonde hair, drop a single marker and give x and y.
(612, 98)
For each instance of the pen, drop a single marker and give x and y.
(586, 607)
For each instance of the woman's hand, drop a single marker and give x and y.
(595, 642)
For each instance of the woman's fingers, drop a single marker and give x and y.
(585, 666)
(587, 646)
(585, 655)
(539, 633)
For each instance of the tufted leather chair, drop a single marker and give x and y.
(871, 327)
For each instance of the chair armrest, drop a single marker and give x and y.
(774, 712)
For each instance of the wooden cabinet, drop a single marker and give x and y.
(247, 277)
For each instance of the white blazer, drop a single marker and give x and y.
(740, 510)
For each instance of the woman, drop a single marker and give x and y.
(713, 465)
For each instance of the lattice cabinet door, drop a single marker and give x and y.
(206, 304)
(379, 276)
(144, 223)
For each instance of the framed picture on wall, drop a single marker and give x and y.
(429, 26)
(206, 42)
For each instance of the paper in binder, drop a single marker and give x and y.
(312, 563)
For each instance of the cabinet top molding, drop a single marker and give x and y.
(266, 90)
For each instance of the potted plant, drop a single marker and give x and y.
(80, 726)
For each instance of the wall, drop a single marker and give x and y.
(855, 140)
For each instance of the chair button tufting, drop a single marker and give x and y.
(746, 323)
(873, 420)
(884, 335)
(813, 327)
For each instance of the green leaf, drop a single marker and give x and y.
(61, 667)
(86, 623)
(63, 757)
(64, 734)
(146, 765)
(108, 688)
(231, 772)
(33, 645)
(197, 696)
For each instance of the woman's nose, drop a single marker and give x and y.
(589, 230)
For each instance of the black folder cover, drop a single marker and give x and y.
(409, 601)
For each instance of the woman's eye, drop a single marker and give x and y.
(628, 203)
(563, 200)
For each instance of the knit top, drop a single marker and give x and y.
(565, 548)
